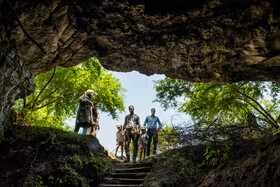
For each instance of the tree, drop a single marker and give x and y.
(167, 138)
(230, 103)
(57, 91)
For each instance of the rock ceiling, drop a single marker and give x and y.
(209, 40)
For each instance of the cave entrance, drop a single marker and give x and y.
(55, 100)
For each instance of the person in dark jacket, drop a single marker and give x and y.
(84, 116)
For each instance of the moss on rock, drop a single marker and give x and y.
(35, 156)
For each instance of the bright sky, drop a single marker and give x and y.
(140, 93)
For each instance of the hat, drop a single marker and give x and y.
(119, 126)
(143, 127)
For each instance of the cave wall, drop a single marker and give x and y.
(16, 81)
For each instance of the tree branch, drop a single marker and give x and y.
(49, 103)
(43, 89)
(24, 102)
(53, 101)
(48, 96)
(268, 120)
(29, 103)
(259, 105)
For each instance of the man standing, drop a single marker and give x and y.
(151, 122)
(131, 129)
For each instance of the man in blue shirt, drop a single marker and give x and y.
(151, 122)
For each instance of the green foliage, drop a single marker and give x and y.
(40, 180)
(52, 180)
(227, 149)
(215, 152)
(167, 138)
(169, 90)
(101, 163)
(225, 117)
(57, 91)
(177, 167)
(230, 103)
(77, 160)
(211, 153)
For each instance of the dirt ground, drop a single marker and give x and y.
(255, 164)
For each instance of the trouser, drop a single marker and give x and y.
(128, 137)
(152, 133)
(78, 126)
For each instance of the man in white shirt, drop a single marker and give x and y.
(132, 130)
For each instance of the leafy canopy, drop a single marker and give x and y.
(57, 91)
(230, 103)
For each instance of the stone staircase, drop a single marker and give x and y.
(127, 175)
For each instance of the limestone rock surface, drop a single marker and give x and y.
(16, 81)
(203, 40)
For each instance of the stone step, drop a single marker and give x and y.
(110, 180)
(133, 170)
(127, 175)
(119, 185)
(138, 175)
(131, 165)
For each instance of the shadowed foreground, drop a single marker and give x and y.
(34, 156)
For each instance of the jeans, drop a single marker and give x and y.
(83, 125)
(152, 133)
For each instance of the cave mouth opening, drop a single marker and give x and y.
(54, 102)
(208, 41)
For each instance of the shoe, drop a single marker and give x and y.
(134, 160)
(127, 160)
